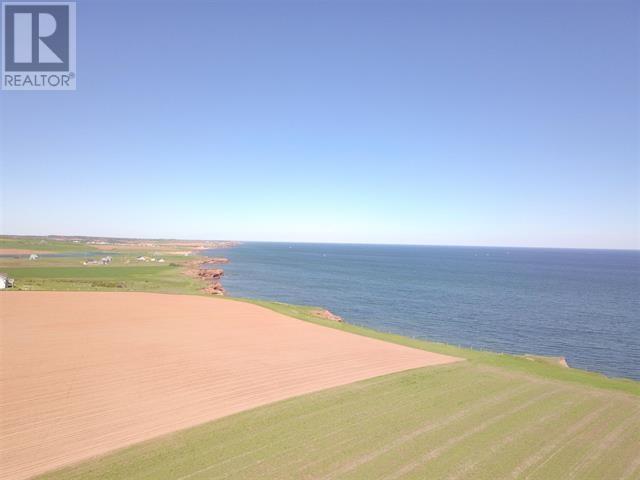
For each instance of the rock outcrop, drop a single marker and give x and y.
(209, 261)
(327, 315)
(214, 275)
(215, 260)
(214, 289)
(560, 361)
(210, 273)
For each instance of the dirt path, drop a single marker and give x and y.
(85, 373)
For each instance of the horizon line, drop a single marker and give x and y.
(637, 249)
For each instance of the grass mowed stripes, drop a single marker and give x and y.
(459, 421)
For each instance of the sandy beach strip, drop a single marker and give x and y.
(83, 373)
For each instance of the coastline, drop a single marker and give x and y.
(182, 274)
(554, 366)
(191, 352)
(539, 365)
(576, 304)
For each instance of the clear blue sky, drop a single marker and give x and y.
(424, 122)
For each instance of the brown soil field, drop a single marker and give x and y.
(167, 249)
(20, 251)
(83, 373)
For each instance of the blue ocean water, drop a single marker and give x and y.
(581, 304)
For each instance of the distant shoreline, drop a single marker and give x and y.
(124, 240)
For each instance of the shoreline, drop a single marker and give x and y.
(547, 304)
(530, 363)
(180, 267)
(216, 288)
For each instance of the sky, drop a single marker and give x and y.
(420, 122)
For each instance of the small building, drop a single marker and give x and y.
(161, 260)
(5, 281)
(33, 256)
(141, 259)
(106, 260)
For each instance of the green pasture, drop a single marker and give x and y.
(43, 244)
(462, 421)
(156, 278)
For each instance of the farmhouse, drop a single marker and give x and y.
(5, 281)
(106, 260)
(33, 256)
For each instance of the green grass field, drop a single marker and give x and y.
(157, 278)
(42, 244)
(66, 271)
(462, 421)
(493, 416)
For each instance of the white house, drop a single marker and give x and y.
(5, 281)
(33, 256)
(106, 260)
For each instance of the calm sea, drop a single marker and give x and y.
(581, 304)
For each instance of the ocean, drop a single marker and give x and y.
(580, 304)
